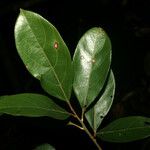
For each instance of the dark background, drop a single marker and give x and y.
(127, 23)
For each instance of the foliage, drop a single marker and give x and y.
(45, 147)
(47, 58)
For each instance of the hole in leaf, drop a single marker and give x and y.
(101, 117)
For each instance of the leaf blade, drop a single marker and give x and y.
(45, 147)
(91, 64)
(43, 51)
(31, 105)
(126, 129)
(97, 113)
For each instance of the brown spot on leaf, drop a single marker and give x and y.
(56, 45)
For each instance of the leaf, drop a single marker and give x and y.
(126, 129)
(44, 53)
(31, 105)
(45, 147)
(97, 113)
(91, 63)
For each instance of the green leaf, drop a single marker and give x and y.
(126, 129)
(44, 53)
(91, 63)
(45, 147)
(97, 113)
(31, 105)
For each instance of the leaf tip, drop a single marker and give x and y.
(21, 10)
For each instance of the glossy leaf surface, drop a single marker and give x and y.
(44, 53)
(45, 147)
(31, 105)
(97, 113)
(126, 129)
(91, 63)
